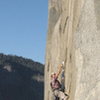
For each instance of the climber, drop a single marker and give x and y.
(56, 85)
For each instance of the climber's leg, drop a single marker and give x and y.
(56, 98)
(56, 92)
(61, 95)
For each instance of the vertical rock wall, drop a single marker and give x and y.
(74, 36)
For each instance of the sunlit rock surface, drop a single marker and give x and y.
(74, 36)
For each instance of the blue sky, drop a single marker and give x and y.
(23, 28)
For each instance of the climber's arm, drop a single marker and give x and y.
(59, 69)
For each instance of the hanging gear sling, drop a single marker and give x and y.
(63, 77)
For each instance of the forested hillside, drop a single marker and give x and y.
(20, 78)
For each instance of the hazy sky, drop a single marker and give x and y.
(23, 28)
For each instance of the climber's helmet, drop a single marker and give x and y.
(53, 74)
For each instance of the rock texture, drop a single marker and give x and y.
(74, 36)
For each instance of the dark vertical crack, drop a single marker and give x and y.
(65, 24)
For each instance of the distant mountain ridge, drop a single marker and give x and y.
(20, 78)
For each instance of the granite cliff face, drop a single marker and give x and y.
(74, 36)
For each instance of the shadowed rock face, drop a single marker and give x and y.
(74, 37)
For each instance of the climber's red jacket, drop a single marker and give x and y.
(55, 84)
